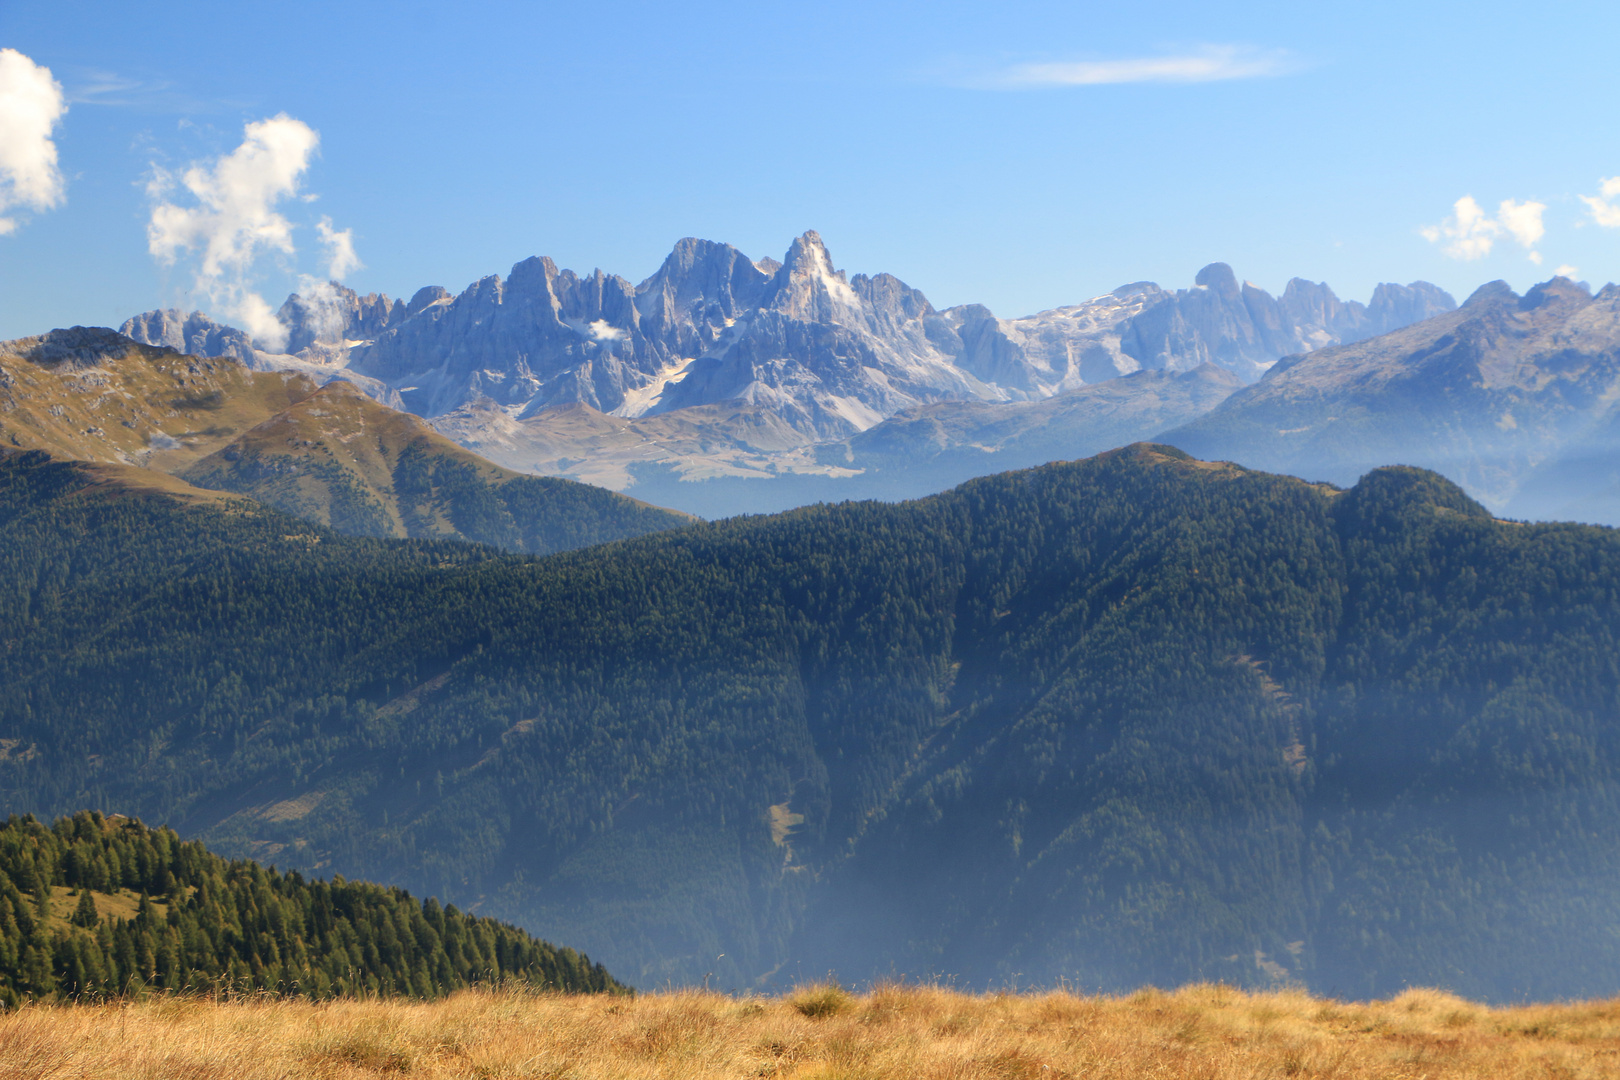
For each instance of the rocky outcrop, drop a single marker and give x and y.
(194, 334)
(333, 315)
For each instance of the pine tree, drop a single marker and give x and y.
(85, 914)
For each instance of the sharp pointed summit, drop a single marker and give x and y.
(803, 349)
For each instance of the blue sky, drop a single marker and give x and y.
(982, 152)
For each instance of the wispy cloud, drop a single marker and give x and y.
(235, 220)
(109, 88)
(113, 89)
(1470, 233)
(341, 261)
(31, 104)
(1206, 63)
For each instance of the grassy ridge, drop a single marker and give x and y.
(1204, 1031)
(338, 458)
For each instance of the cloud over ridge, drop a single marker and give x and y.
(235, 220)
(31, 104)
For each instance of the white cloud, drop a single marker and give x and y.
(31, 103)
(1522, 220)
(1470, 233)
(235, 221)
(1604, 212)
(341, 261)
(1567, 271)
(323, 308)
(1211, 63)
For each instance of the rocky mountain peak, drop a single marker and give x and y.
(808, 288)
(1219, 278)
(76, 346)
(1560, 291)
(1489, 292)
(194, 333)
(1311, 301)
(426, 297)
(332, 313)
(697, 274)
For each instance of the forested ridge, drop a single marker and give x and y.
(1137, 718)
(96, 906)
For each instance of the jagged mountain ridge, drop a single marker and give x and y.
(832, 355)
(1140, 326)
(1507, 396)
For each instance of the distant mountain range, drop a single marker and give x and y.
(1515, 398)
(779, 357)
(1512, 397)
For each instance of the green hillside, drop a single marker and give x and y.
(1137, 718)
(98, 906)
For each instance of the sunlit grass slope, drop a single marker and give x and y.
(340, 459)
(154, 420)
(93, 395)
(1201, 1031)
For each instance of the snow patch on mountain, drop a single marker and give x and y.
(832, 354)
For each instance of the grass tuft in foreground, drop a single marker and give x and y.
(1209, 1032)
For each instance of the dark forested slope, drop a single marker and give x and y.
(99, 906)
(1138, 718)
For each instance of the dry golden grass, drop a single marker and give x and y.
(818, 1032)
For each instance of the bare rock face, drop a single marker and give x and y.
(194, 334)
(333, 315)
(1238, 327)
(831, 355)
